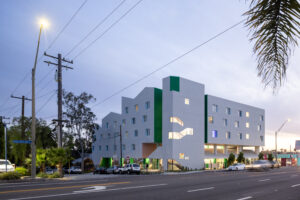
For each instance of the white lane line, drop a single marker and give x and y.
(210, 188)
(75, 193)
(264, 180)
(295, 185)
(249, 197)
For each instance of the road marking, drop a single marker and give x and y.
(64, 187)
(264, 180)
(210, 188)
(74, 193)
(295, 185)
(91, 189)
(53, 183)
(249, 197)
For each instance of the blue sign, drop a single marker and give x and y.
(22, 141)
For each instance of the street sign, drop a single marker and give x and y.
(22, 141)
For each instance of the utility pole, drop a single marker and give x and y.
(121, 150)
(23, 98)
(5, 138)
(59, 91)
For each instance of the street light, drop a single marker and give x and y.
(276, 133)
(43, 23)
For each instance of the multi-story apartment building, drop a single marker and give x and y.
(179, 126)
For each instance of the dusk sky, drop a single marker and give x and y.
(151, 35)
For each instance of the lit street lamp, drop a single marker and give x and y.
(43, 24)
(276, 133)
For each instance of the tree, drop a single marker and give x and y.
(274, 25)
(57, 157)
(241, 158)
(270, 157)
(260, 156)
(231, 159)
(41, 159)
(81, 120)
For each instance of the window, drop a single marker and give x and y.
(214, 133)
(126, 109)
(176, 120)
(228, 111)
(187, 101)
(247, 136)
(136, 107)
(240, 113)
(247, 124)
(147, 105)
(106, 147)
(236, 124)
(101, 135)
(99, 147)
(144, 118)
(261, 138)
(261, 118)
(126, 133)
(133, 120)
(136, 133)
(124, 121)
(215, 108)
(107, 124)
(123, 146)
(225, 122)
(115, 147)
(241, 136)
(259, 127)
(210, 119)
(247, 114)
(115, 124)
(147, 132)
(108, 135)
(93, 148)
(133, 147)
(228, 135)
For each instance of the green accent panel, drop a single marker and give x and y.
(206, 165)
(215, 160)
(174, 83)
(131, 160)
(205, 119)
(106, 162)
(225, 162)
(157, 115)
(122, 161)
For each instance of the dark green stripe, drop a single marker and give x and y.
(157, 115)
(174, 83)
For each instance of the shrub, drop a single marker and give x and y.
(55, 175)
(231, 159)
(260, 156)
(22, 170)
(241, 158)
(10, 176)
(42, 175)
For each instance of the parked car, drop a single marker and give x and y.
(50, 170)
(261, 165)
(112, 170)
(75, 170)
(236, 166)
(100, 170)
(66, 170)
(10, 167)
(121, 170)
(275, 164)
(133, 168)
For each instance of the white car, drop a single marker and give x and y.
(237, 166)
(10, 167)
(133, 168)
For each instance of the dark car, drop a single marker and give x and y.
(112, 170)
(100, 170)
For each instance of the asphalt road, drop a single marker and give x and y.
(274, 184)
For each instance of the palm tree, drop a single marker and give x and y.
(274, 25)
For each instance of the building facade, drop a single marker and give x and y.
(178, 126)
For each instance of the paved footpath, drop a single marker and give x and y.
(281, 184)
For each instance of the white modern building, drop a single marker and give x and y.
(178, 126)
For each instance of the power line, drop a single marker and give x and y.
(67, 24)
(170, 62)
(110, 27)
(48, 100)
(96, 27)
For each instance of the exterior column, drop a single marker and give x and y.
(239, 149)
(257, 149)
(215, 149)
(225, 149)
